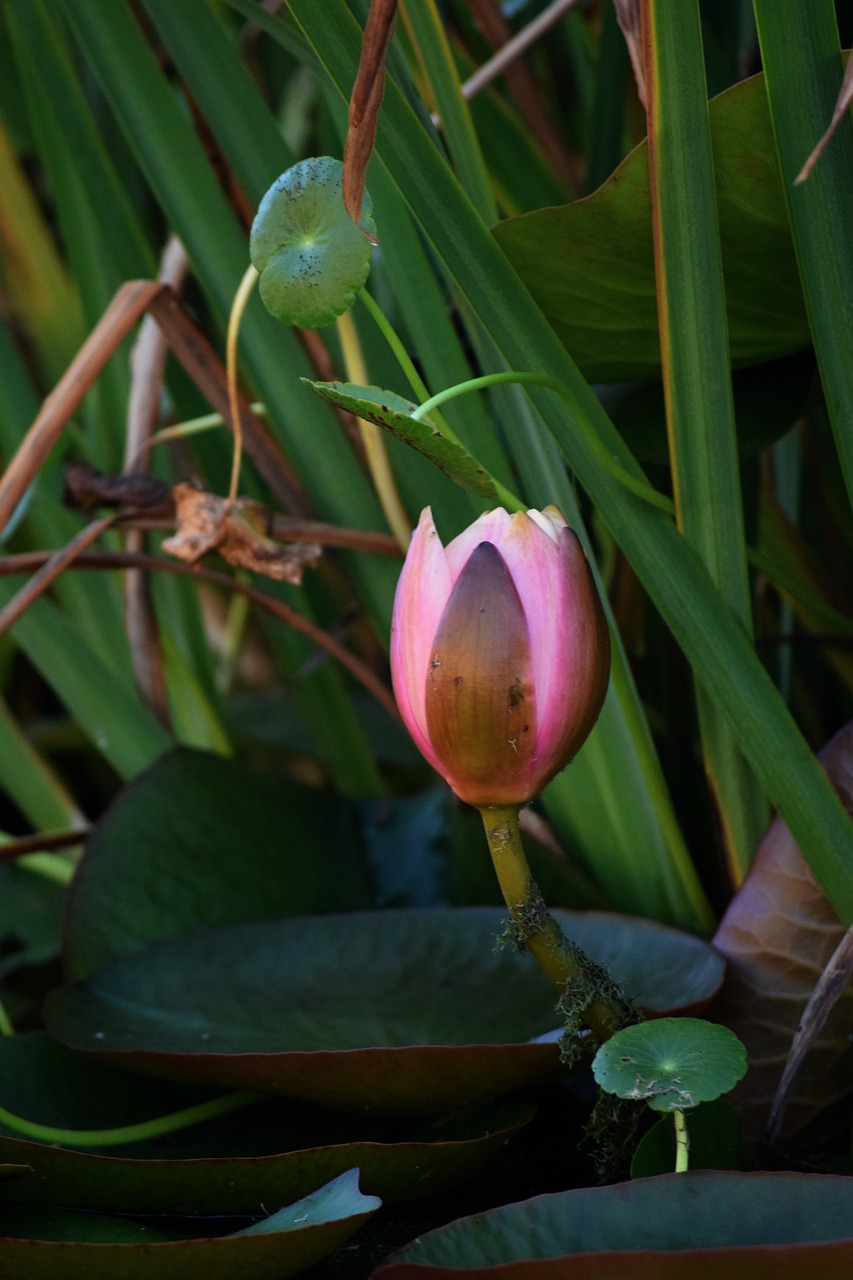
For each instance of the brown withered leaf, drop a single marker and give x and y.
(630, 23)
(365, 101)
(238, 532)
(778, 935)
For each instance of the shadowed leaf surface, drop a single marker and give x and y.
(642, 1228)
(397, 1010)
(272, 1150)
(39, 1244)
(197, 840)
(590, 265)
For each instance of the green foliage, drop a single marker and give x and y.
(309, 918)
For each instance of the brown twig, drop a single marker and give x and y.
(148, 370)
(129, 303)
(42, 842)
(152, 506)
(50, 570)
(31, 561)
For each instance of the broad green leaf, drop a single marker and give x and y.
(393, 413)
(804, 68)
(196, 841)
(712, 1226)
(590, 265)
(382, 1010)
(697, 378)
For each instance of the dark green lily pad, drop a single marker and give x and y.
(393, 412)
(58, 1244)
(590, 264)
(274, 1150)
(311, 256)
(30, 916)
(195, 841)
(706, 1225)
(673, 1063)
(413, 1011)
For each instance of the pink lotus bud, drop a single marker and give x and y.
(500, 652)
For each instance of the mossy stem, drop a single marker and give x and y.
(543, 937)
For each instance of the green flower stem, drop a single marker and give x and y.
(241, 300)
(129, 1132)
(682, 1142)
(403, 359)
(640, 487)
(563, 962)
(6, 1027)
(506, 497)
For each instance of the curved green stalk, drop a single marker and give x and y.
(637, 486)
(155, 1128)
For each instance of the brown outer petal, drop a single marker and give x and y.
(480, 709)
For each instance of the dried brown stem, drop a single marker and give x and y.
(31, 561)
(42, 842)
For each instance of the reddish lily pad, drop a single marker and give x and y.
(53, 1243)
(272, 1151)
(407, 1011)
(708, 1225)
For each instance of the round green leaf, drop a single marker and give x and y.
(382, 1010)
(311, 256)
(674, 1063)
(705, 1225)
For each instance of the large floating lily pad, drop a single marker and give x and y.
(412, 1011)
(58, 1244)
(709, 1226)
(196, 840)
(590, 264)
(274, 1150)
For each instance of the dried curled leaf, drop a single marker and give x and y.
(239, 533)
(778, 935)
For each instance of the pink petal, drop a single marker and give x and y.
(422, 592)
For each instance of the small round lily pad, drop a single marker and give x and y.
(674, 1063)
(311, 256)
